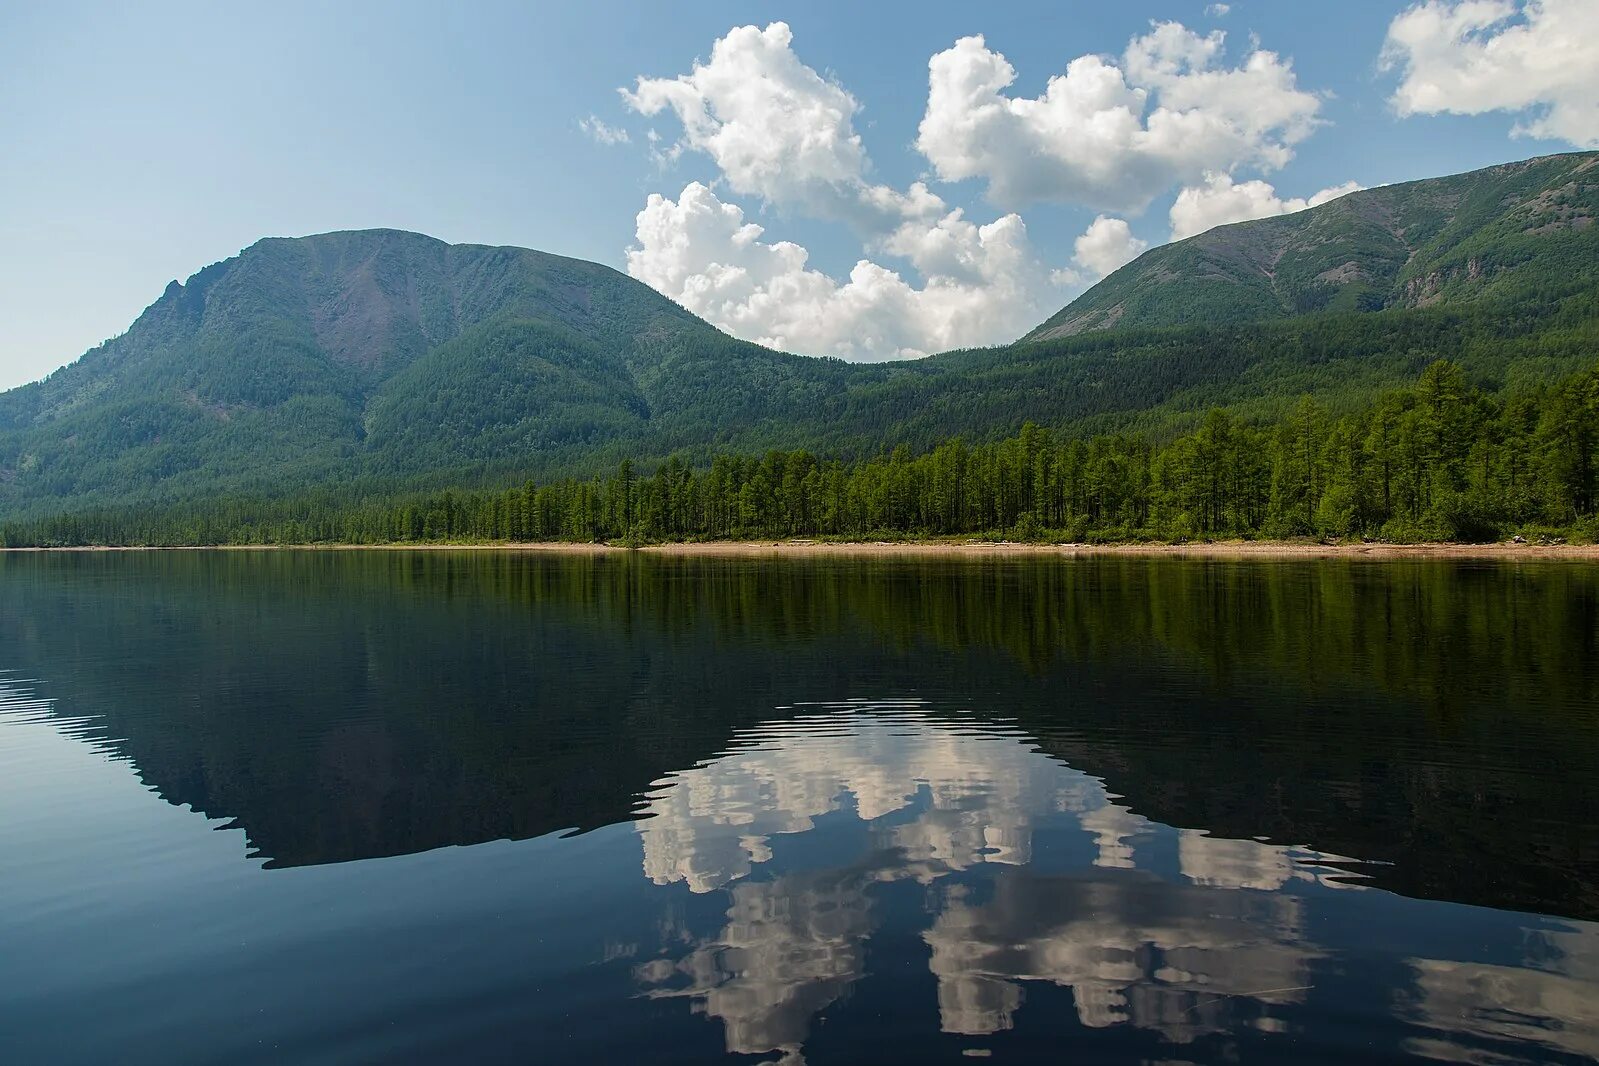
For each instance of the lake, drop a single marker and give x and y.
(353, 807)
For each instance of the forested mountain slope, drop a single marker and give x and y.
(379, 351)
(1506, 233)
(383, 360)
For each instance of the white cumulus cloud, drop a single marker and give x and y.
(1110, 133)
(1107, 134)
(1107, 245)
(1467, 57)
(779, 130)
(981, 285)
(1220, 200)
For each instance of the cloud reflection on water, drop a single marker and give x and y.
(1171, 931)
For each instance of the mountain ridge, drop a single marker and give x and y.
(1412, 244)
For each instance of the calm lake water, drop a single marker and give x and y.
(495, 807)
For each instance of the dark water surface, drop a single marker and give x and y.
(492, 807)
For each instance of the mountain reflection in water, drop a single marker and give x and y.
(497, 807)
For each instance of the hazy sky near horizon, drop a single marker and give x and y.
(869, 180)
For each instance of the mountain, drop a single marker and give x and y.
(1496, 234)
(382, 360)
(391, 352)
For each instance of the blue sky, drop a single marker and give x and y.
(142, 143)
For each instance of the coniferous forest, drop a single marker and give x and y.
(1439, 460)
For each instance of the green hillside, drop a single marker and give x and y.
(1505, 234)
(379, 352)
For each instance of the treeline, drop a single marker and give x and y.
(1441, 460)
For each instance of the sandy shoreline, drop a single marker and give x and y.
(1219, 549)
(755, 548)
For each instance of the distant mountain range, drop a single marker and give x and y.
(385, 359)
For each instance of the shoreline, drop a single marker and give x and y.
(756, 548)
